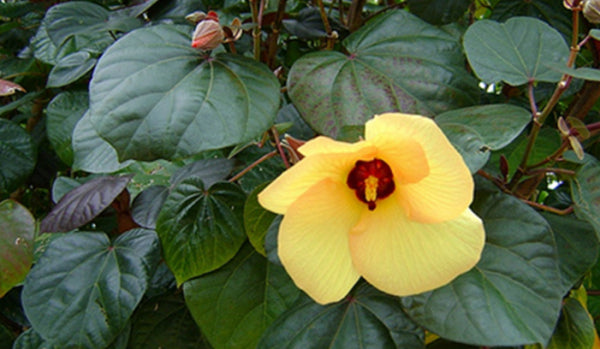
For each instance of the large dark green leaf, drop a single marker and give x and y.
(439, 11)
(550, 11)
(575, 328)
(210, 171)
(62, 115)
(83, 290)
(200, 229)
(84, 203)
(396, 62)
(92, 153)
(585, 191)
(147, 204)
(17, 228)
(577, 247)
(516, 51)
(513, 295)
(165, 322)
(17, 155)
(367, 318)
(154, 96)
(235, 304)
(496, 124)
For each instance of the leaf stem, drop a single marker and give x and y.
(253, 165)
(257, 27)
(554, 210)
(275, 30)
(330, 36)
(279, 147)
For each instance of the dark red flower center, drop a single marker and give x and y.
(371, 181)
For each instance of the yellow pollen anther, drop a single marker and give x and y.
(371, 188)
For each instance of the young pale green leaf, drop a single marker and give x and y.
(235, 304)
(389, 61)
(367, 318)
(17, 228)
(439, 11)
(577, 247)
(516, 51)
(83, 290)
(70, 68)
(18, 156)
(165, 322)
(585, 192)
(515, 286)
(154, 96)
(200, 229)
(575, 328)
(62, 114)
(469, 144)
(496, 124)
(257, 220)
(83, 203)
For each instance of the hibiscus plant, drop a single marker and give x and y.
(299, 174)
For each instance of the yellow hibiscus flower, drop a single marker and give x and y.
(392, 208)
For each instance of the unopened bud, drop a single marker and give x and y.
(591, 10)
(570, 4)
(208, 35)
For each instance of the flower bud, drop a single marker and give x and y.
(208, 35)
(591, 10)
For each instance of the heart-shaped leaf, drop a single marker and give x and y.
(516, 51)
(367, 318)
(17, 228)
(92, 153)
(84, 288)
(62, 115)
(165, 322)
(577, 247)
(515, 286)
(585, 191)
(396, 62)
(154, 96)
(257, 220)
(84, 203)
(235, 304)
(200, 229)
(18, 155)
(496, 124)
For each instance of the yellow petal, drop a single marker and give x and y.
(292, 183)
(403, 257)
(313, 240)
(447, 190)
(324, 145)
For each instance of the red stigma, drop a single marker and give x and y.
(371, 181)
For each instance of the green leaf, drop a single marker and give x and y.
(496, 124)
(469, 144)
(577, 247)
(367, 318)
(388, 62)
(235, 304)
(17, 229)
(63, 185)
(70, 68)
(83, 290)
(17, 156)
(257, 220)
(515, 286)
(575, 329)
(30, 339)
(92, 153)
(210, 171)
(585, 192)
(62, 114)
(212, 102)
(516, 51)
(547, 142)
(595, 33)
(439, 11)
(551, 11)
(165, 322)
(200, 230)
(82, 204)
(147, 204)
